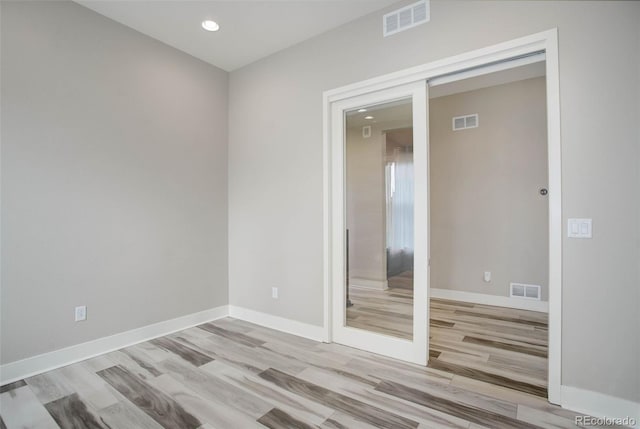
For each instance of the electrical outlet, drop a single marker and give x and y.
(274, 292)
(487, 276)
(81, 313)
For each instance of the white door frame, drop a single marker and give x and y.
(546, 41)
(416, 349)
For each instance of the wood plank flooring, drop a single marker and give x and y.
(388, 312)
(232, 374)
(503, 346)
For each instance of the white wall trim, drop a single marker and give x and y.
(327, 243)
(278, 323)
(34, 365)
(554, 159)
(510, 49)
(368, 283)
(485, 299)
(599, 405)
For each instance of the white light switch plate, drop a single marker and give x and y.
(579, 228)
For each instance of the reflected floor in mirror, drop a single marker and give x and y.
(502, 346)
(388, 312)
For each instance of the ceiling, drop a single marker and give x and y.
(249, 30)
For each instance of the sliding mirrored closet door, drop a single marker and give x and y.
(380, 221)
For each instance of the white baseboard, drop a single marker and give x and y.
(481, 298)
(28, 367)
(312, 332)
(583, 401)
(368, 283)
(600, 405)
(31, 366)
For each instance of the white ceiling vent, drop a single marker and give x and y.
(464, 122)
(405, 18)
(521, 290)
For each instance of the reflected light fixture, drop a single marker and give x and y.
(362, 110)
(368, 117)
(210, 25)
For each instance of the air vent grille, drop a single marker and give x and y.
(521, 290)
(464, 122)
(420, 12)
(405, 18)
(390, 24)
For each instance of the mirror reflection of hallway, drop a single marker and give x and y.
(380, 218)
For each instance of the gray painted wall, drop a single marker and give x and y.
(486, 211)
(275, 164)
(114, 179)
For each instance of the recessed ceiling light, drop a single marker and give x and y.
(368, 117)
(362, 110)
(210, 25)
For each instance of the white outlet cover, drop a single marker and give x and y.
(81, 313)
(274, 292)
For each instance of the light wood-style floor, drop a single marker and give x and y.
(232, 374)
(388, 312)
(503, 346)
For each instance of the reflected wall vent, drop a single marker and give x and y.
(406, 18)
(464, 122)
(521, 290)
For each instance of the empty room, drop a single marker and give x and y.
(319, 214)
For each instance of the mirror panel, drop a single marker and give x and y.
(379, 199)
